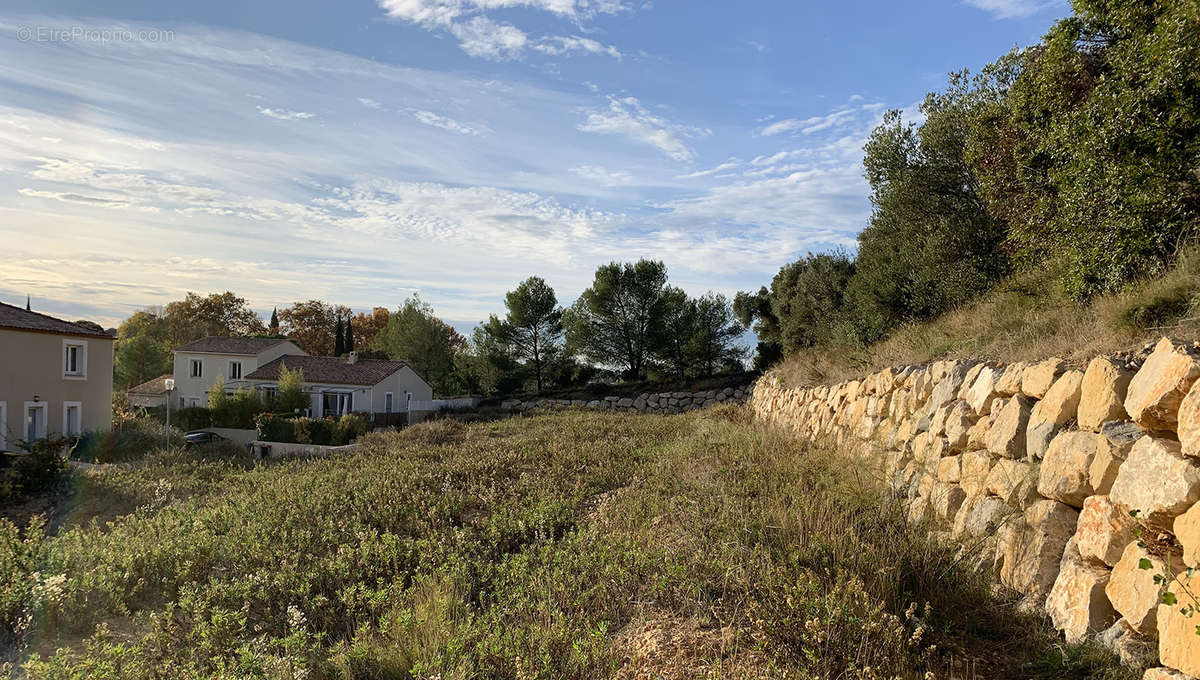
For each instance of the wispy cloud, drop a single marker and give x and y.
(434, 120)
(603, 176)
(1015, 9)
(627, 117)
(284, 114)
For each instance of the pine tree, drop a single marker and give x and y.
(339, 342)
(349, 343)
(274, 330)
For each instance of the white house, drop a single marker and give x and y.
(55, 377)
(198, 364)
(341, 385)
(149, 394)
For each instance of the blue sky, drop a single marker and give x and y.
(361, 151)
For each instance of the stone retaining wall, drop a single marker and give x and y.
(1082, 487)
(660, 402)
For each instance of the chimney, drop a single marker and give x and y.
(352, 358)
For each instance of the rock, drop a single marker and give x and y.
(947, 387)
(1012, 481)
(1077, 603)
(974, 471)
(985, 516)
(1037, 378)
(1054, 411)
(946, 498)
(983, 391)
(1112, 447)
(1132, 589)
(1032, 549)
(1178, 641)
(969, 380)
(1157, 482)
(1158, 388)
(1135, 651)
(1009, 382)
(958, 425)
(1102, 393)
(1103, 531)
(1006, 435)
(1065, 472)
(949, 469)
(1188, 423)
(1165, 674)
(1187, 532)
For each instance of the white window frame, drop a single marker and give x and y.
(232, 364)
(66, 429)
(3, 425)
(193, 402)
(196, 368)
(387, 402)
(80, 347)
(44, 407)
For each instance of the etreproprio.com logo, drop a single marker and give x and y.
(91, 34)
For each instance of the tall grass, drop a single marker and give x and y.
(570, 545)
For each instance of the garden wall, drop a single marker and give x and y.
(1079, 488)
(659, 402)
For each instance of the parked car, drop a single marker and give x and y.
(200, 438)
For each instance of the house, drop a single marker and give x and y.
(199, 364)
(55, 377)
(340, 385)
(149, 394)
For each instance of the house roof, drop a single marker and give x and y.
(335, 370)
(154, 387)
(21, 319)
(219, 345)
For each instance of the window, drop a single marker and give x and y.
(197, 368)
(72, 418)
(387, 402)
(269, 393)
(235, 370)
(74, 359)
(193, 402)
(35, 420)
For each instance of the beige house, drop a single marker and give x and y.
(199, 364)
(149, 394)
(340, 385)
(55, 377)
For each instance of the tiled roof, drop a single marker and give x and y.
(153, 387)
(334, 370)
(219, 345)
(20, 319)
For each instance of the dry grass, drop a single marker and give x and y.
(1027, 317)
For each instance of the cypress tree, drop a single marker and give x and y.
(349, 343)
(274, 321)
(339, 343)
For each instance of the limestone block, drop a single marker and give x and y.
(1188, 424)
(974, 472)
(1134, 650)
(1065, 473)
(1006, 435)
(1157, 482)
(1037, 378)
(1031, 550)
(937, 421)
(984, 516)
(1112, 447)
(969, 380)
(1157, 390)
(1103, 531)
(946, 498)
(947, 387)
(977, 435)
(1132, 589)
(983, 391)
(958, 424)
(1077, 603)
(1165, 674)
(1009, 382)
(1102, 393)
(949, 469)
(1013, 482)
(1054, 411)
(1187, 532)
(1178, 642)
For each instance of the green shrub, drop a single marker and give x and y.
(130, 440)
(38, 470)
(274, 428)
(349, 427)
(320, 430)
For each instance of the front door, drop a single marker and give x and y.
(35, 422)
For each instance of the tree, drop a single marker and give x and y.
(273, 329)
(311, 325)
(618, 320)
(678, 327)
(140, 358)
(715, 331)
(219, 314)
(367, 326)
(415, 335)
(339, 339)
(533, 327)
(487, 366)
(755, 308)
(348, 343)
(808, 300)
(290, 395)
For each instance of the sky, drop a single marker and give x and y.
(361, 151)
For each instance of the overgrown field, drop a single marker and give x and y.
(573, 545)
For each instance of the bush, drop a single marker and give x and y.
(274, 428)
(320, 430)
(191, 418)
(350, 427)
(35, 472)
(129, 440)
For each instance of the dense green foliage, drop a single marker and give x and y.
(551, 547)
(532, 330)
(1081, 153)
(415, 335)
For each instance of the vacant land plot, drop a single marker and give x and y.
(572, 545)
